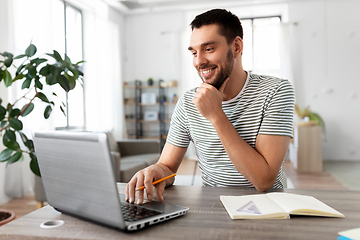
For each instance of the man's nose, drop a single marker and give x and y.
(200, 60)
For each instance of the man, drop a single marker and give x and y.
(240, 123)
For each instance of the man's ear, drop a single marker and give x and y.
(238, 46)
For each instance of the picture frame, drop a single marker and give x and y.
(151, 115)
(148, 98)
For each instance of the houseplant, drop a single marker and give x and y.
(6, 216)
(37, 75)
(309, 117)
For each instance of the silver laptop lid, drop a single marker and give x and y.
(75, 168)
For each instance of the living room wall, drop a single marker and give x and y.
(325, 39)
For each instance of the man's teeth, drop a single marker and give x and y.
(206, 71)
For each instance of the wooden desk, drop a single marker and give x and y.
(207, 219)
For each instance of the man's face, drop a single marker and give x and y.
(212, 56)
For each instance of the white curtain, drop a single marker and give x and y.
(103, 84)
(102, 71)
(16, 180)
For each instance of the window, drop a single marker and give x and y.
(262, 37)
(70, 40)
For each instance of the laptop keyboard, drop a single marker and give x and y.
(133, 212)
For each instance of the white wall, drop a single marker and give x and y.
(328, 38)
(326, 43)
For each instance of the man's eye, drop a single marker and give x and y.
(193, 53)
(209, 49)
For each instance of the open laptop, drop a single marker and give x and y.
(78, 177)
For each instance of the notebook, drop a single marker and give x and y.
(79, 180)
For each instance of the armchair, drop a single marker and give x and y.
(130, 156)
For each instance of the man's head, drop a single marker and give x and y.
(215, 42)
(229, 24)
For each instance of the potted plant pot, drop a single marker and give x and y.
(6, 216)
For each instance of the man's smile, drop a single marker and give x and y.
(207, 72)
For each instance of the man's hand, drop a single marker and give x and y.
(145, 178)
(208, 100)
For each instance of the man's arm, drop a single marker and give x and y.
(168, 164)
(260, 165)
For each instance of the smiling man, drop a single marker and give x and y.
(240, 123)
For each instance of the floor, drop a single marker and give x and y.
(337, 175)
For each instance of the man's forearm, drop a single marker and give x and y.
(248, 161)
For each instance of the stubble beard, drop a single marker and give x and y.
(224, 72)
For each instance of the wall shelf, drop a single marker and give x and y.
(155, 108)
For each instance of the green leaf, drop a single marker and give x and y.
(7, 78)
(14, 158)
(5, 154)
(67, 59)
(47, 111)
(34, 166)
(72, 81)
(38, 84)
(79, 62)
(26, 83)
(64, 83)
(18, 76)
(9, 135)
(20, 56)
(63, 111)
(74, 71)
(12, 145)
(30, 144)
(31, 50)
(57, 56)
(13, 112)
(24, 138)
(3, 123)
(43, 97)
(45, 70)
(16, 124)
(28, 109)
(32, 71)
(38, 61)
(8, 55)
(1, 74)
(8, 61)
(50, 79)
(55, 70)
(2, 111)
(20, 68)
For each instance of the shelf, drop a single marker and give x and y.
(149, 104)
(138, 92)
(147, 121)
(145, 86)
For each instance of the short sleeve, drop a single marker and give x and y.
(178, 134)
(278, 114)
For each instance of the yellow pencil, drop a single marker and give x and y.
(157, 181)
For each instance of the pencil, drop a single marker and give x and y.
(157, 181)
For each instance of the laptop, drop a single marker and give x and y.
(79, 180)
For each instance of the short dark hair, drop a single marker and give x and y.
(230, 25)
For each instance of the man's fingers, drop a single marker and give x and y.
(160, 191)
(130, 190)
(140, 193)
(149, 187)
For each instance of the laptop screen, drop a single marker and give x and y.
(78, 177)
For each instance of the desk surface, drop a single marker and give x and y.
(207, 219)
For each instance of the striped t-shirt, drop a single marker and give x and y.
(265, 105)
